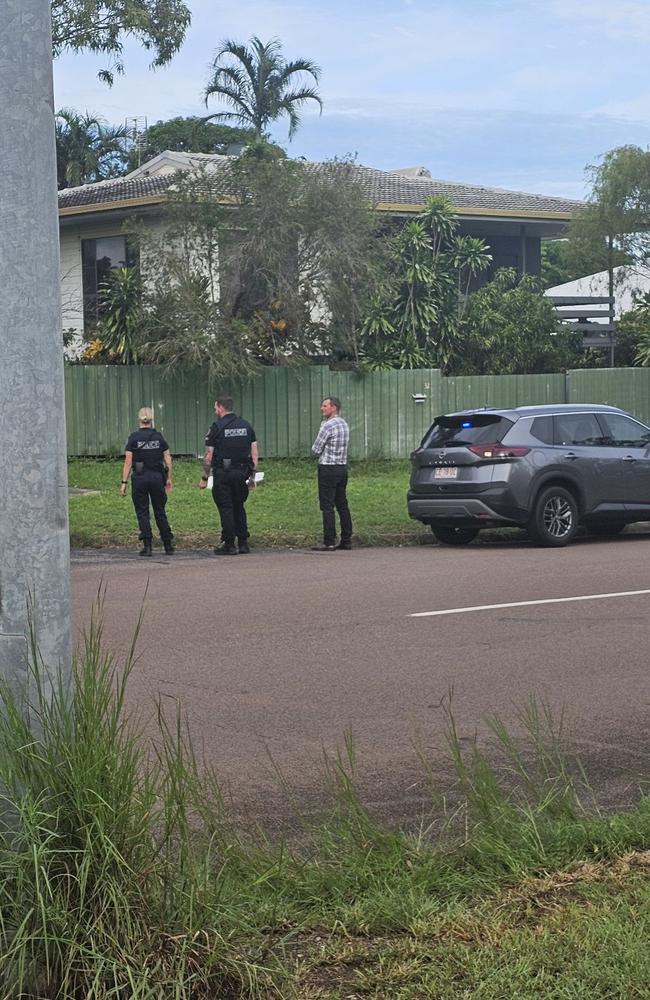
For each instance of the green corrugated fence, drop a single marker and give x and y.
(388, 412)
(466, 391)
(283, 404)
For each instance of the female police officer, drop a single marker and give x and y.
(147, 455)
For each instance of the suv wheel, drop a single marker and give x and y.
(454, 536)
(554, 520)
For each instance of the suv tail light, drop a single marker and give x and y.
(497, 451)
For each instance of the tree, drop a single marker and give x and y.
(260, 86)
(633, 334)
(469, 256)
(189, 135)
(570, 259)
(342, 258)
(510, 328)
(620, 201)
(87, 149)
(102, 26)
(302, 261)
(415, 320)
(280, 276)
(616, 216)
(120, 324)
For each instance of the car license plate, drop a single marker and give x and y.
(446, 473)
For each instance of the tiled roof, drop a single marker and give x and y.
(387, 190)
(119, 189)
(398, 189)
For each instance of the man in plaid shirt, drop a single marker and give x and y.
(331, 446)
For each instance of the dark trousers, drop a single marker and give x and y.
(332, 485)
(230, 493)
(150, 486)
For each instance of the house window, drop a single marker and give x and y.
(98, 259)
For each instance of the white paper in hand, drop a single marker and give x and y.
(259, 478)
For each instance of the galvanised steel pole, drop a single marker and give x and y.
(34, 546)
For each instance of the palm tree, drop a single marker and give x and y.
(121, 323)
(440, 221)
(260, 86)
(87, 149)
(470, 255)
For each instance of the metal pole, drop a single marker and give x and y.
(34, 546)
(610, 292)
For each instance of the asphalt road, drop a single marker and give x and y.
(274, 656)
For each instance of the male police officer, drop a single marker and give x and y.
(147, 455)
(231, 453)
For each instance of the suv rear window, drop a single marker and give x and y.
(542, 429)
(466, 428)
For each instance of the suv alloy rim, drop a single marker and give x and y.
(558, 516)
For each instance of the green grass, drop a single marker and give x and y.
(283, 511)
(579, 935)
(123, 877)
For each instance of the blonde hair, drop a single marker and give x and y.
(145, 415)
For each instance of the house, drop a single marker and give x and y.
(629, 283)
(91, 217)
(586, 304)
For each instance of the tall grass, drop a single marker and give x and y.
(111, 857)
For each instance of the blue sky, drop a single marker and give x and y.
(520, 94)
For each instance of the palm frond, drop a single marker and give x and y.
(301, 66)
(244, 103)
(226, 116)
(237, 51)
(225, 75)
(302, 95)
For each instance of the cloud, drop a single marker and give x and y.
(624, 19)
(636, 109)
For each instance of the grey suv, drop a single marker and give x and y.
(544, 468)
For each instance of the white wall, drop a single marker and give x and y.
(71, 277)
(71, 290)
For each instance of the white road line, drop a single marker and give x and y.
(527, 604)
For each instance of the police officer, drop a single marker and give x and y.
(147, 456)
(231, 455)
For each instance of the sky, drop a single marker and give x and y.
(520, 94)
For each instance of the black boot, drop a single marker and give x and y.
(170, 548)
(146, 549)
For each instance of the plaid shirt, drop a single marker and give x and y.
(331, 444)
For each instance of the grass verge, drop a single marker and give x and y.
(282, 512)
(122, 876)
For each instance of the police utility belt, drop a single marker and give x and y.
(139, 468)
(227, 463)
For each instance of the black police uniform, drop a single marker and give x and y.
(231, 437)
(148, 482)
